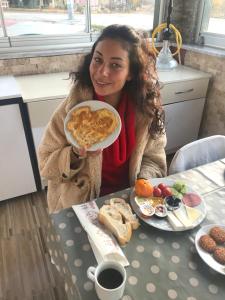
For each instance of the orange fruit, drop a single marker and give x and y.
(143, 188)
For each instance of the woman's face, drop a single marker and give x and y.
(109, 68)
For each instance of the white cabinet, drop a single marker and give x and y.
(182, 122)
(183, 95)
(42, 94)
(16, 167)
(16, 173)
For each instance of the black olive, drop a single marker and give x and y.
(172, 201)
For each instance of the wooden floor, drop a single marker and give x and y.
(25, 268)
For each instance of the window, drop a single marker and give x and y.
(136, 13)
(48, 23)
(213, 23)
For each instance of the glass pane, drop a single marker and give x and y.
(44, 17)
(2, 7)
(216, 10)
(136, 13)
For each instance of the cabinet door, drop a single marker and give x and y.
(16, 173)
(182, 123)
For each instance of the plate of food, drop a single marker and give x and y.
(92, 125)
(210, 245)
(176, 206)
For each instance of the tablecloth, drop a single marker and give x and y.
(163, 264)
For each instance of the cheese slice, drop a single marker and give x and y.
(193, 213)
(174, 222)
(182, 217)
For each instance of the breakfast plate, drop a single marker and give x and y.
(163, 223)
(205, 256)
(94, 105)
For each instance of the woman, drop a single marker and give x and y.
(120, 70)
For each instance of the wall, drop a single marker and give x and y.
(185, 16)
(39, 65)
(213, 121)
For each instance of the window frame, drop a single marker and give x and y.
(204, 37)
(33, 45)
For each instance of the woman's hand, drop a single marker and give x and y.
(82, 152)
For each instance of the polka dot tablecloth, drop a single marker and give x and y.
(163, 265)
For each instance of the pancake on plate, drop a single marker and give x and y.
(90, 127)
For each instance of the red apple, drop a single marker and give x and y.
(162, 186)
(167, 191)
(157, 192)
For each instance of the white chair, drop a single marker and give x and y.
(198, 153)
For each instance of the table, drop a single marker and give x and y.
(163, 265)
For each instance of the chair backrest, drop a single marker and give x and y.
(198, 153)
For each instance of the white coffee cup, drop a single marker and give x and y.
(109, 278)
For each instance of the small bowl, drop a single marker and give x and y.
(172, 202)
(146, 209)
(161, 211)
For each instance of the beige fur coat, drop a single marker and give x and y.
(73, 180)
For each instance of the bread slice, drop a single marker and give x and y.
(125, 210)
(112, 219)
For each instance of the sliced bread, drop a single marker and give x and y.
(125, 210)
(112, 219)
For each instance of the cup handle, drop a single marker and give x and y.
(91, 273)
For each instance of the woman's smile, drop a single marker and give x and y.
(101, 83)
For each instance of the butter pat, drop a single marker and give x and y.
(193, 213)
(174, 222)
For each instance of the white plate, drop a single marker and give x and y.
(163, 223)
(94, 105)
(207, 257)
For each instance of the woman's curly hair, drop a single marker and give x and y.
(143, 87)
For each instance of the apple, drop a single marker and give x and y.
(157, 192)
(162, 186)
(167, 191)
